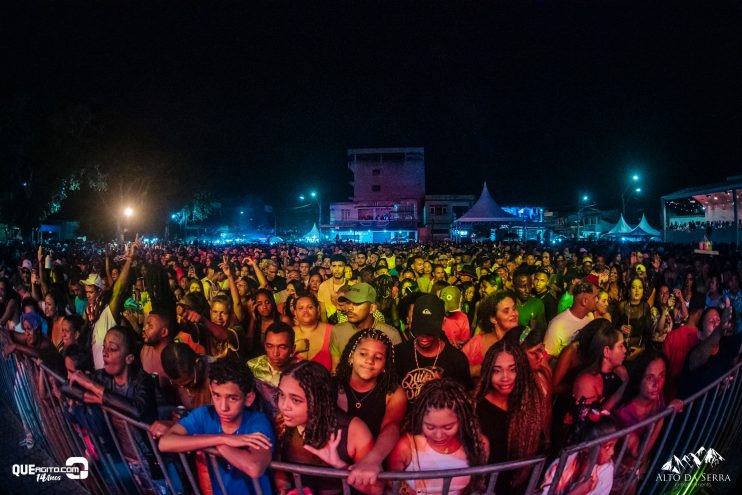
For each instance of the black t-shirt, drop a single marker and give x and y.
(451, 363)
(550, 305)
(278, 284)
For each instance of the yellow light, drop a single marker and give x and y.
(128, 211)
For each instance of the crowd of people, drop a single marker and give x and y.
(369, 358)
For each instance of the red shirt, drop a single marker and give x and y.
(456, 327)
(677, 345)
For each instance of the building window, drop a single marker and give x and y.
(375, 188)
(345, 214)
(438, 211)
(376, 172)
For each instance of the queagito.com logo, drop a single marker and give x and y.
(679, 468)
(76, 468)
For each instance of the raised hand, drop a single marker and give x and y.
(329, 452)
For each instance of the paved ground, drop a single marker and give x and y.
(11, 453)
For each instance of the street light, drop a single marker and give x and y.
(627, 193)
(128, 212)
(583, 205)
(315, 197)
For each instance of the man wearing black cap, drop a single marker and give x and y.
(327, 292)
(429, 356)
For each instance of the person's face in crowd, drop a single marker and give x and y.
(530, 260)
(314, 282)
(546, 259)
(348, 273)
(587, 267)
(439, 274)
(733, 283)
(504, 374)
(304, 269)
(69, 335)
(292, 402)
(357, 313)
(271, 272)
(263, 305)
(278, 349)
(290, 290)
(714, 285)
(710, 321)
(689, 281)
(69, 365)
(418, 266)
(183, 283)
(241, 287)
(408, 275)
(153, 330)
(327, 263)
(600, 263)
(441, 428)
(195, 287)
(31, 335)
(26, 276)
(486, 288)
(536, 356)
(139, 284)
(636, 290)
(229, 401)
(469, 294)
(664, 294)
(172, 282)
(91, 293)
(506, 315)
(372, 259)
(219, 314)
(653, 381)
(115, 358)
(50, 306)
(616, 355)
(245, 271)
(605, 454)
(338, 270)
(427, 268)
(293, 275)
(540, 282)
(306, 313)
(601, 305)
(613, 275)
(503, 273)
(522, 286)
(115, 274)
(457, 259)
(361, 260)
(368, 360)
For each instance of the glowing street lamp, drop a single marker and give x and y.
(128, 212)
(628, 192)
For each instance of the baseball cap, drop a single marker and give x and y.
(593, 279)
(587, 259)
(427, 316)
(26, 264)
(451, 297)
(468, 270)
(359, 293)
(640, 268)
(94, 279)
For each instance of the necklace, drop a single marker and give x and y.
(360, 401)
(440, 348)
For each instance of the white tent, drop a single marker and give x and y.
(486, 210)
(644, 229)
(312, 235)
(621, 228)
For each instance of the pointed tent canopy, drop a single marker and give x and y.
(644, 229)
(312, 235)
(621, 228)
(486, 210)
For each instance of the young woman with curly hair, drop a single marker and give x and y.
(316, 432)
(441, 432)
(369, 389)
(511, 409)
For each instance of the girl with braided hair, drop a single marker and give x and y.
(511, 409)
(369, 389)
(441, 432)
(316, 432)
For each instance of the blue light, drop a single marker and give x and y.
(173, 216)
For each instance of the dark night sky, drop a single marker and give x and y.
(545, 102)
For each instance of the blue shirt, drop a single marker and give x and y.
(205, 421)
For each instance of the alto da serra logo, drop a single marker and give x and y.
(693, 460)
(696, 463)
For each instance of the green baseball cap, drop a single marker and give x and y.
(359, 293)
(451, 296)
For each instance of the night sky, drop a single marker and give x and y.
(546, 102)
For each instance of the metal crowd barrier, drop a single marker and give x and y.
(124, 457)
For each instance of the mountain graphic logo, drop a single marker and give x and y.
(693, 460)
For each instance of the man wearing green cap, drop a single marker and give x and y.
(455, 323)
(359, 305)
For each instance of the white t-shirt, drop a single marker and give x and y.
(562, 329)
(104, 323)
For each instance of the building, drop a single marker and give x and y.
(388, 196)
(439, 213)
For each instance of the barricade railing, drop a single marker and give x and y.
(124, 457)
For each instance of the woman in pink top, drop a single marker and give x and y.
(312, 335)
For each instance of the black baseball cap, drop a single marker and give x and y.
(427, 316)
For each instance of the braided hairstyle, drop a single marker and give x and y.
(315, 381)
(447, 393)
(526, 405)
(386, 382)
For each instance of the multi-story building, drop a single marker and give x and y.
(388, 195)
(440, 211)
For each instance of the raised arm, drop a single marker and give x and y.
(262, 281)
(118, 288)
(236, 306)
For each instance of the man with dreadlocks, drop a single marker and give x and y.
(510, 407)
(441, 432)
(369, 390)
(316, 431)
